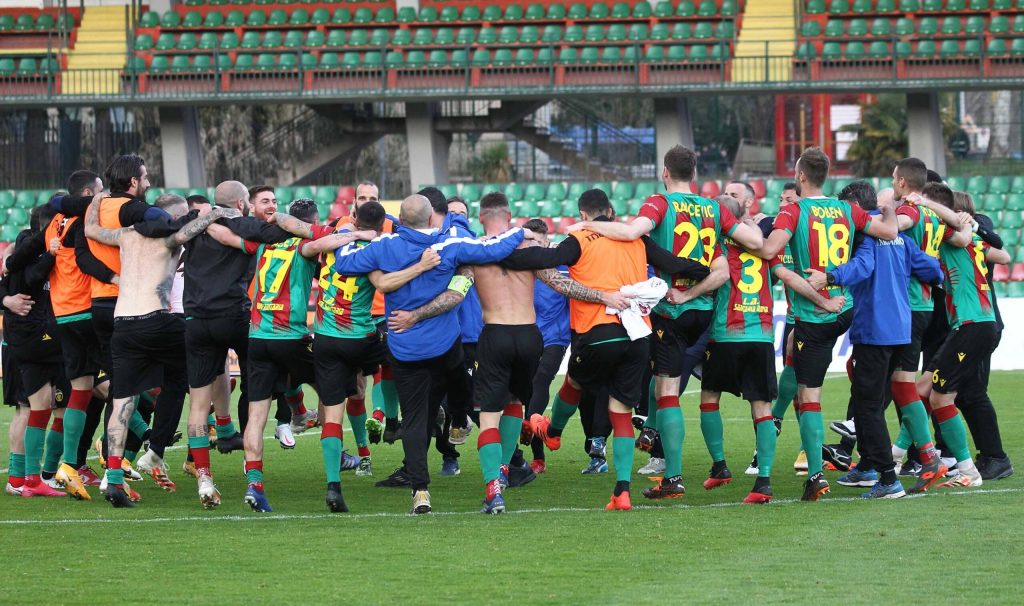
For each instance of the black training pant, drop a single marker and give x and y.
(550, 361)
(593, 411)
(871, 371)
(979, 413)
(421, 386)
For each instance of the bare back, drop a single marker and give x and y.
(147, 271)
(506, 296)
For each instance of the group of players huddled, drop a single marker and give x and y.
(116, 309)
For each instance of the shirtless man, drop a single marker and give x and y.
(147, 341)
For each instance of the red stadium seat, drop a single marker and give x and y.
(1017, 273)
(710, 189)
(346, 194)
(1001, 273)
(756, 208)
(759, 188)
(338, 209)
(564, 223)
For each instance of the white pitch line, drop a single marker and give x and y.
(325, 516)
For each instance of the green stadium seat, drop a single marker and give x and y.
(27, 66)
(590, 55)
(293, 39)
(467, 35)
(979, 5)
(363, 16)
(1011, 220)
(611, 55)
(449, 14)
(266, 62)
(491, 13)
(134, 65)
(620, 10)
(949, 48)
(213, 19)
(208, 41)
(288, 62)
(567, 56)
(186, 41)
(444, 35)
(481, 57)
(809, 29)
(927, 26)
(148, 19)
(534, 12)
(341, 16)
(659, 31)
(372, 59)
(951, 25)
(599, 11)
(555, 12)
(663, 9)
(299, 16)
(835, 28)
(931, 5)
(529, 34)
(999, 24)
(256, 18)
(169, 19)
(997, 47)
(676, 53)
(513, 191)
(904, 26)
(514, 12)
(487, 35)
(880, 27)
(471, 13)
(686, 8)
(235, 19)
(977, 185)
(857, 27)
(329, 60)
(839, 7)
(552, 33)
(909, 6)
(702, 30)
(1018, 184)
(143, 42)
(524, 56)
(407, 14)
(815, 7)
(831, 51)
(854, 50)
(385, 14)
(1018, 24)
(861, 6)
(885, 6)
(166, 41)
(416, 58)
(393, 59)
(642, 10)
(654, 54)
(724, 30)
(321, 16)
(437, 58)
(955, 5)
(991, 203)
(903, 49)
(1015, 202)
(806, 51)
(616, 32)
(159, 64)
(1017, 47)
(972, 47)
(595, 33)
(638, 31)
(350, 60)
(925, 48)
(974, 25)
(534, 192)
(955, 183)
(728, 9)
(459, 58)
(336, 38)
(272, 39)
(573, 33)
(1002, 5)
(999, 184)
(708, 8)
(229, 41)
(720, 51)
(277, 17)
(508, 34)
(403, 37)
(6, 23)
(380, 37)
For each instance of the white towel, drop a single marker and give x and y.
(646, 295)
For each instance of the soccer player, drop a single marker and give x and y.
(691, 227)
(147, 344)
(820, 232)
(14, 304)
(426, 355)
(878, 277)
(740, 355)
(603, 355)
(217, 305)
(959, 360)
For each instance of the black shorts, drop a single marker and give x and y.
(39, 362)
(276, 363)
(742, 369)
(812, 348)
(13, 393)
(80, 347)
(788, 330)
(672, 337)
(103, 326)
(908, 358)
(338, 361)
(146, 349)
(208, 340)
(604, 357)
(957, 362)
(507, 357)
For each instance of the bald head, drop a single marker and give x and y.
(732, 203)
(232, 194)
(886, 197)
(415, 212)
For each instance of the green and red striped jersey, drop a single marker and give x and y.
(284, 279)
(743, 305)
(927, 232)
(343, 309)
(968, 298)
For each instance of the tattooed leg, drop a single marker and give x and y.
(117, 427)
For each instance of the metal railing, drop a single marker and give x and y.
(294, 81)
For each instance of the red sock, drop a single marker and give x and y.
(295, 403)
(201, 457)
(569, 394)
(488, 436)
(222, 421)
(330, 430)
(385, 373)
(113, 462)
(709, 407)
(668, 402)
(355, 407)
(16, 481)
(57, 425)
(379, 415)
(79, 399)
(364, 451)
(514, 409)
(945, 413)
(622, 425)
(810, 407)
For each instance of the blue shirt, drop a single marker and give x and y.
(552, 312)
(431, 337)
(878, 276)
(471, 315)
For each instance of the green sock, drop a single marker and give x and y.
(673, 431)
(622, 457)
(115, 476)
(74, 425)
(903, 439)
(255, 476)
(711, 428)
(488, 445)
(199, 441)
(652, 408)
(54, 450)
(387, 389)
(137, 425)
(561, 412)
(34, 439)
(377, 396)
(510, 426)
(359, 429)
(16, 465)
(766, 439)
(331, 448)
(226, 430)
(211, 420)
(954, 433)
(812, 434)
(787, 391)
(129, 455)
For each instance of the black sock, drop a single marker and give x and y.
(621, 487)
(888, 477)
(554, 433)
(762, 484)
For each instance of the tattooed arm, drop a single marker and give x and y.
(197, 226)
(93, 231)
(292, 225)
(567, 287)
(401, 321)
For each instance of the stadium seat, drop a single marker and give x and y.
(880, 27)
(931, 5)
(380, 37)
(955, 5)
(809, 29)
(385, 14)
(534, 12)
(299, 16)
(979, 5)
(589, 55)
(642, 10)
(999, 184)
(341, 16)
(467, 35)
(702, 30)
(336, 38)
(686, 8)
(854, 50)
(407, 14)
(487, 35)
(927, 26)
(857, 27)
(470, 13)
(904, 26)
(449, 14)
(362, 16)
(595, 33)
(573, 33)
(977, 185)
(329, 61)
(835, 28)
(1018, 24)
(186, 41)
(393, 59)
(950, 48)
(272, 39)
(925, 48)
(660, 31)
(599, 10)
(878, 50)
(437, 58)
(556, 12)
(638, 31)
(320, 16)
(481, 57)
(1017, 186)
(839, 7)
(728, 8)
(616, 32)
(256, 19)
(829, 51)
(169, 19)
(909, 6)
(213, 19)
(552, 33)
(974, 25)
(806, 51)
(1015, 202)
(508, 34)
(611, 55)
(902, 49)
(951, 25)
(1017, 47)
(972, 47)
(996, 47)
(654, 54)
(524, 56)
(861, 6)
(513, 12)
(143, 42)
(999, 24)
(724, 30)
(529, 34)
(148, 19)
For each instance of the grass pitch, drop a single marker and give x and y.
(556, 545)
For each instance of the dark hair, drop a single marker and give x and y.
(370, 215)
(940, 193)
(594, 202)
(196, 199)
(304, 209)
(914, 172)
(860, 193)
(259, 189)
(814, 165)
(457, 199)
(681, 163)
(122, 170)
(537, 226)
(747, 186)
(788, 185)
(437, 200)
(493, 200)
(934, 177)
(40, 217)
(79, 180)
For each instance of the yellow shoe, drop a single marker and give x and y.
(190, 468)
(211, 432)
(68, 476)
(129, 471)
(800, 465)
(98, 447)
